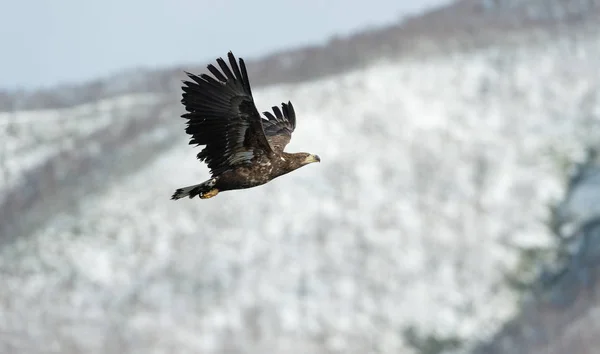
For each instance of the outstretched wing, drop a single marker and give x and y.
(279, 127)
(222, 116)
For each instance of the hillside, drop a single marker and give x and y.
(560, 313)
(430, 165)
(51, 158)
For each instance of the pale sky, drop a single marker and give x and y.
(46, 42)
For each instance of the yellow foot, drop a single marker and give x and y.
(211, 193)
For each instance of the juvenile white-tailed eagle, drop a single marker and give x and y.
(242, 150)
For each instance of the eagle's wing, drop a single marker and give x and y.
(222, 116)
(279, 127)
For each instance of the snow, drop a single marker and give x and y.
(428, 167)
(28, 138)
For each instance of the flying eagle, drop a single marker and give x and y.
(242, 149)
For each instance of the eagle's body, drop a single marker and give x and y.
(242, 150)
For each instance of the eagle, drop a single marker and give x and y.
(241, 148)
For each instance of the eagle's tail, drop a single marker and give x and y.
(204, 190)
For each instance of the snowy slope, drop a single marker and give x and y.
(49, 159)
(428, 167)
(27, 138)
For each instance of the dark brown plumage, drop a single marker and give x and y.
(242, 150)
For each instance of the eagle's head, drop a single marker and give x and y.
(296, 160)
(309, 158)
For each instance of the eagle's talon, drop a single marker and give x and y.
(211, 193)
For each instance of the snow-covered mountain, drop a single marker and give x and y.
(28, 137)
(428, 167)
(47, 157)
(560, 314)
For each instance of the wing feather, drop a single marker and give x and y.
(222, 116)
(280, 125)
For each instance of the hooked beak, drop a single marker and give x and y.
(312, 158)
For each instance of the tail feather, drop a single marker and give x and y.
(204, 190)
